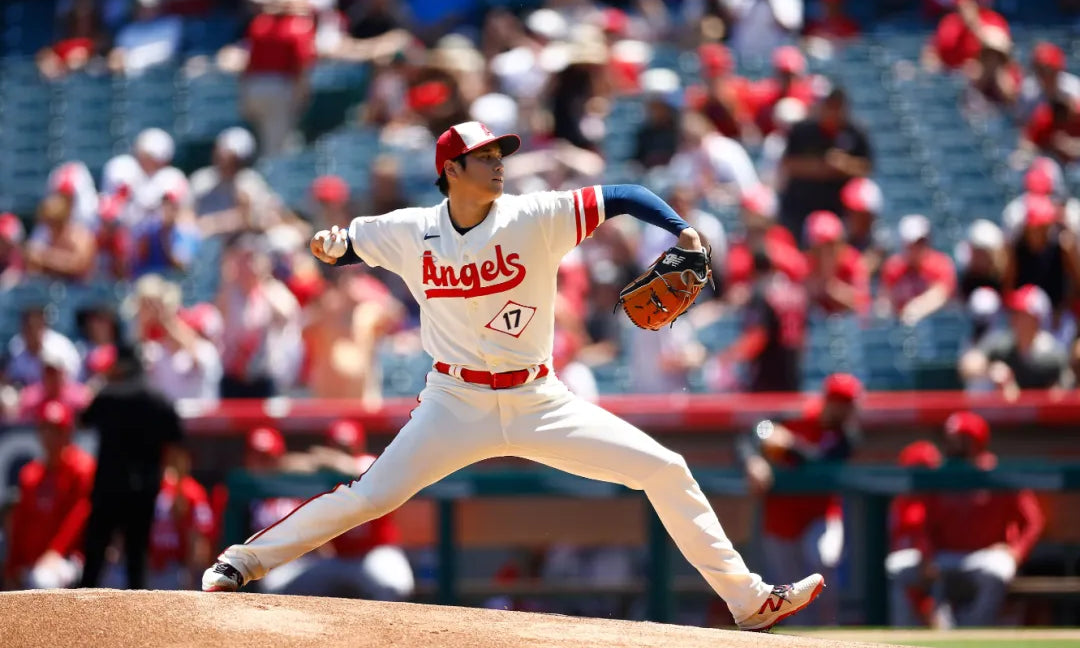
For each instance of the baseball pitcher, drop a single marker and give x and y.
(482, 265)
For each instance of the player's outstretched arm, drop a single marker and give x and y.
(646, 206)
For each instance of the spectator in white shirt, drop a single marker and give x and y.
(179, 361)
(717, 163)
(132, 178)
(24, 366)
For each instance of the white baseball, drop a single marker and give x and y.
(334, 242)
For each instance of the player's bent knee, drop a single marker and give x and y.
(673, 471)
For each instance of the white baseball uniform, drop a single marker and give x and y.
(487, 304)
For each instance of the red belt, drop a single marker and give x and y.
(503, 380)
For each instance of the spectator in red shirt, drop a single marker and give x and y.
(919, 280)
(910, 603)
(834, 25)
(805, 531)
(863, 202)
(83, 37)
(982, 536)
(1048, 80)
(1054, 129)
(180, 535)
(838, 281)
(365, 561)
(760, 230)
(274, 89)
(54, 502)
(790, 80)
(960, 35)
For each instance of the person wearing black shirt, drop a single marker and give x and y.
(822, 154)
(138, 431)
(774, 330)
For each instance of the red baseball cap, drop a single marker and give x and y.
(469, 136)
(54, 412)
(330, 189)
(823, 227)
(862, 195)
(1049, 55)
(348, 433)
(842, 386)
(789, 59)
(920, 454)
(11, 228)
(266, 440)
(1029, 299)
(1041, 211)
(971, 425)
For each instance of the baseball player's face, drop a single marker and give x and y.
(483, 172)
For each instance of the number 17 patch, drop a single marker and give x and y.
(512, 319)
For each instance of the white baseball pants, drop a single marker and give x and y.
(458, 424)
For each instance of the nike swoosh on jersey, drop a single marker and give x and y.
(431, 236)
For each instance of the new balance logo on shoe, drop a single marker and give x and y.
(672, 259)
(773, 603)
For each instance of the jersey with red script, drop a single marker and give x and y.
(487, 296)
(171, 533)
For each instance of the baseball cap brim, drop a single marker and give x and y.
(508, 145)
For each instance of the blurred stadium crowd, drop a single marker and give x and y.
(887, 190)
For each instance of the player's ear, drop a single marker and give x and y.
(450, 168)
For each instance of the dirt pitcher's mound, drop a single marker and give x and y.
(110, 618)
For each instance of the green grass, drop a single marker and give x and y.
(993, 643)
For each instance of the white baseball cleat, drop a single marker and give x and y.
(222, 577)
(783, 601)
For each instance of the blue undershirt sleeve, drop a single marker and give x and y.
(643, 205)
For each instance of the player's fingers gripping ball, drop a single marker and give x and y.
(334, 242)
(667, 288)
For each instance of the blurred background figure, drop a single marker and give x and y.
(276, 63)
(59, 246)
(261, 335)
(910, 583)
(139, 433)
(773, 331)
(863, 202)
(180, 362)
(229, 195)
(838, 280)
(152, 38)
(1023, 356)
(34, 341)
(822, 154)
(976, 539)
(919, 280)
(44, 536)
(805, 532)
